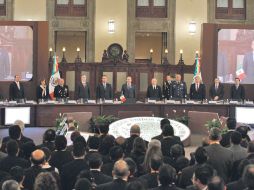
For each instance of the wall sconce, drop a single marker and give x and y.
(192, 27)
(50, 55)
(111, 26)
(78, 59)
(64, 59)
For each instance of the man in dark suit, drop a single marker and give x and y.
(248, 66)
(151, 179)
(128, 89)
(197, 89)
(162, 123)
(104, 90)
(71, 169)
(83, 89)
(237, 91)
(154, 91)
(16, 89)
(120, 173)
(167, 87)
(37, 159)
(216, 90)
(12, 159)
(220, 158)
(179, 88)
(61, 91)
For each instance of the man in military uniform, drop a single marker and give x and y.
(61, 91)
(179, 89)
(167, 87)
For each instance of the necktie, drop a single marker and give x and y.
(18, 85)
(196, 87)
(104, 85)
(216, 87)
(154, 87)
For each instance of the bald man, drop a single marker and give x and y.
(154, 90)
(61, 91)
(120, 174)
(37, 160)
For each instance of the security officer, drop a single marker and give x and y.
(179, 89)
(167, 87)
(61, 91)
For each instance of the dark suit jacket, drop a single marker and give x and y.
(30, 175)
(225, 140)
(100, 178)
(169, 187)
(83, 91)
(167, 90)
(248, 67)
(9, 161)
(150, 180)
(197, 95)
(39, 93)
(61, 91)
(60, 158)
(236, 185)
(117, 184)
(159, 137)
(221, 159)
(186, 176)
(107, 168)
(16, 93)
(154, 94)
(219, 92)
(70, 172)
(104, 93)
(237, 94)
(128, 93)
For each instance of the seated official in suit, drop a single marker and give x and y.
(83, 89)
(61, 91)
(128, 89)
(237, 91)
(16, 89)
(154, 91)
(216, 90)
(179, 88)
(104, 90)
(42, 91)
(167, 87)
(197, 90)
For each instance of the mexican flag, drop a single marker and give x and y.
(197, 71)
(240, 72)
(55, 75)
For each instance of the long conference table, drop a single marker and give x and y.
(44, 115)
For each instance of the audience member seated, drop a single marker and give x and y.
(48, 140)
(103, 130)
(128, 145)
(94, 173)
(132, 168)
(120, 141)
(46, 166)
(120, 174)
(150, 179)
(10, 185)
(12, 159)
(83, 184)
(37, 159)
(27, 148)
(135, 185)
(115, 153)
(45, 181)
(18, 174)
(239, 152)
(138, 153)
(74, 135)
(187, 173)
(93, 145)
(201, 177)
(60, 156)
(231, 125)
(248, 177)
(167, 178)
(244, 132)
(163, 122)
(216, 183)
(71, 169)
(239, 183)
(154, 148)
(220, 158)
(107, 143)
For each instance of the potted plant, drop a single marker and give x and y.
(97, 121)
